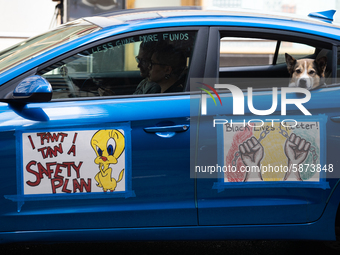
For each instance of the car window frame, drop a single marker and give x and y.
(213, 54)
(195, 70)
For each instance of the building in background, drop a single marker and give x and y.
(162, 3)
(253, 51)
(74, 9)
(20, 19)
(297, 7)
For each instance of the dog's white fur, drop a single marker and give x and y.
(306, 73)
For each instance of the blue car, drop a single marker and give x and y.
(166, 124)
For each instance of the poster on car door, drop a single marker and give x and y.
(68, 162)
(274, 150)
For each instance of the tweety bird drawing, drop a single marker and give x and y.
(108, 145)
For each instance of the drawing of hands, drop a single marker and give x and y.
(251, 154)
(296, 150)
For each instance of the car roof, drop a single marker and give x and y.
(131, 20)
(162, 13)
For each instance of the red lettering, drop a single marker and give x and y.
(32, 144)
(86, 185)
(55, 186)
(44, 155)
(57, 178)
(63, 135)
(53, 138)
(49, 152)
(77, 168)
(75, 137)
(48, 167)
(76, 186)
(80, 186)
(68, 165)
(47, 171)
(72, 150)
(42, 138)
(28, 169)
(58, 171)
(56, 150)
(65, 187)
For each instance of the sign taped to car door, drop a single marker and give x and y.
(273, 151)
(87, 163)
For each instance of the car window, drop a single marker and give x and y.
(296, 50)
(245, 56)
(114, 68)
(240, 51)
(243, 51)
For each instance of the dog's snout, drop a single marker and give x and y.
(303, 83)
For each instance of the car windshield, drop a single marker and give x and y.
(34, 46)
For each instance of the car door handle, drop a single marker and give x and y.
(175, 128)
(336, 119)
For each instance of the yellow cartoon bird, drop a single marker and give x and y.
(108, 145)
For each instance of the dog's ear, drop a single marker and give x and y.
(321, 64)
(290, 63)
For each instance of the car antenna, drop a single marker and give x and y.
(326, 16)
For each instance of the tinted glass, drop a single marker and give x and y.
(114, 68)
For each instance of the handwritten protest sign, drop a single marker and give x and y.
(86, 161)
(273, 151)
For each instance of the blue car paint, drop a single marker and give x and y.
(168, 183)
(144, 215)
(264, 203)
(33, 84)
(326, 16)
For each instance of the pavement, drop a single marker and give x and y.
(175, 248)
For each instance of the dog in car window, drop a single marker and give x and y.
(306, 73)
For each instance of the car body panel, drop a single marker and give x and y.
(164, 135)
(268, 202)
(155, 170)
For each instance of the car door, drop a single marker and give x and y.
(234, 137)
(87, 160)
